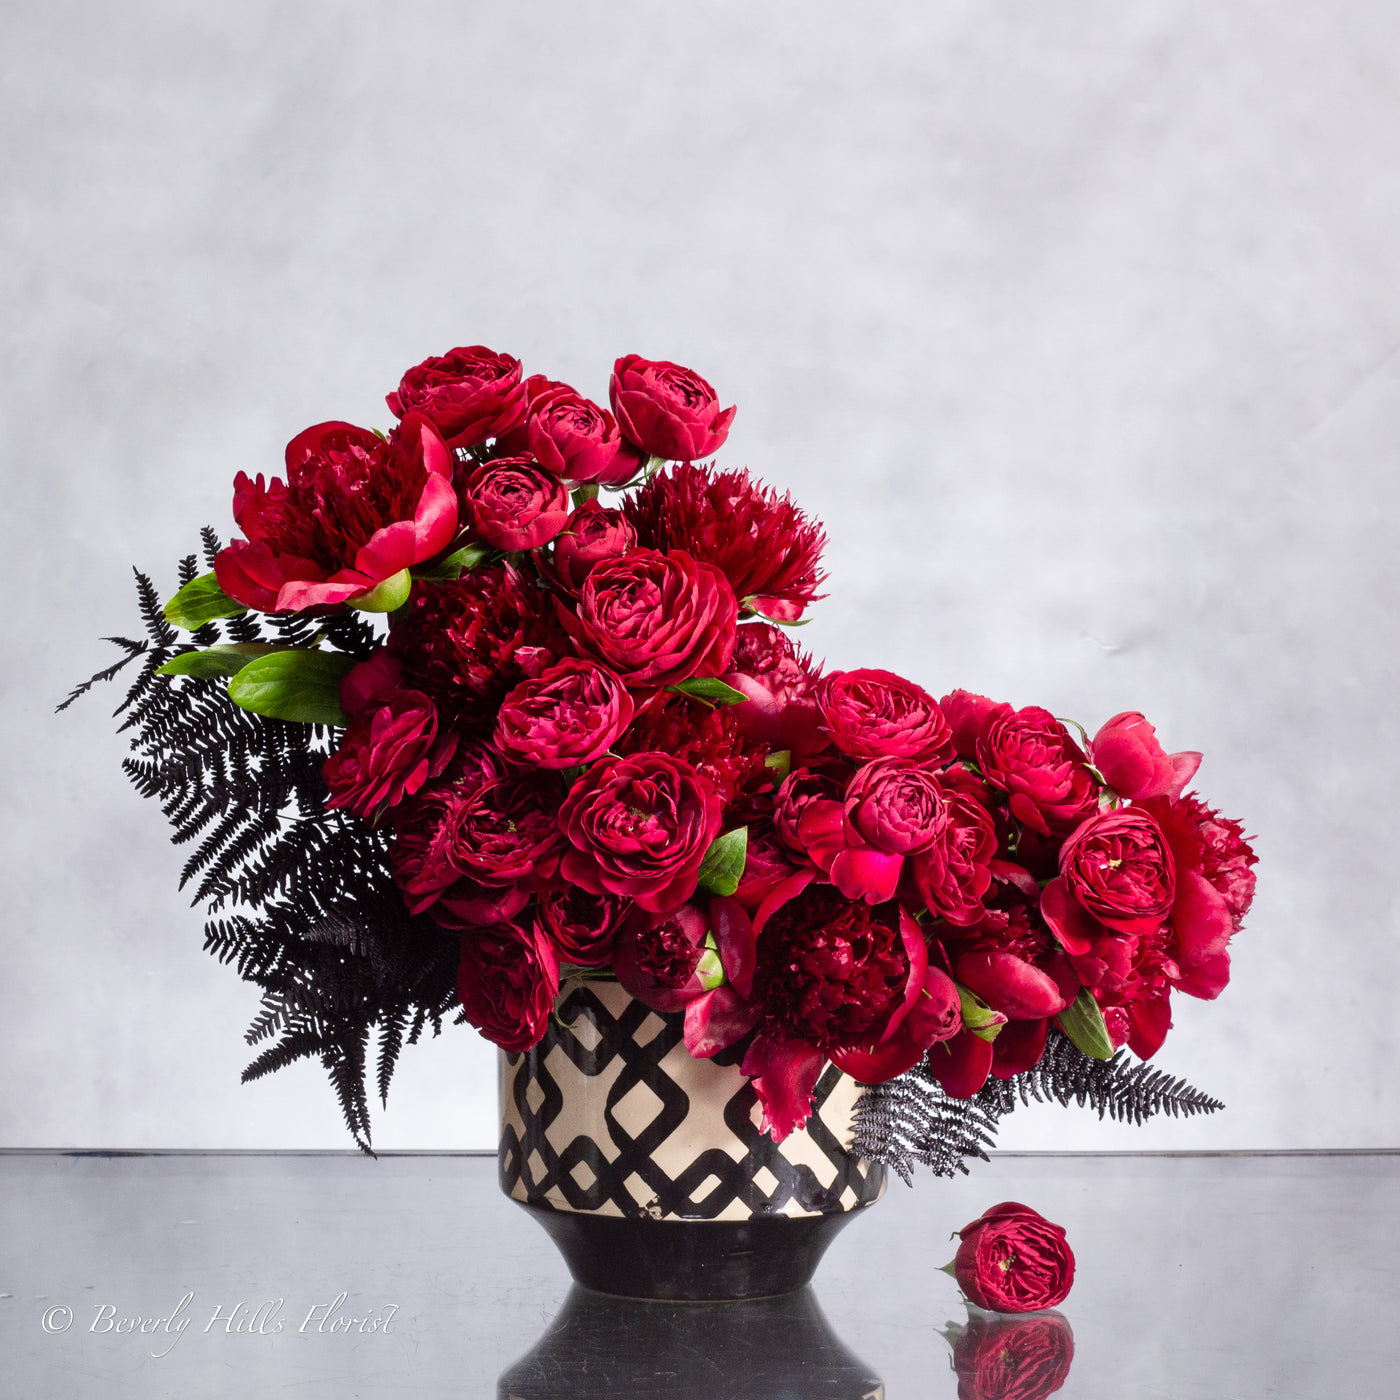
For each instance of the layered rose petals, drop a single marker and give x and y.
(390, 749)
(515, 504)
(582, 926)
(571, 714)
(572, 437)
(470, 394)
(1118, 869)
(1013, 1260)
(875, 714)
(356, 509)
(639, 827)
(591, 534)
(1030, 755)
(655, 619)
(507, 980)
(668, 411)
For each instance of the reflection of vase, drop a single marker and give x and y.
(618, 1347)
(1001, 1356)
(648, 1168)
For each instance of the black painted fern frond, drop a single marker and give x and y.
(300, 898)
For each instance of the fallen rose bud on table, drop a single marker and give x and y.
(1013, 1260)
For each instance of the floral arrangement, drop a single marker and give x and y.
(584, 744)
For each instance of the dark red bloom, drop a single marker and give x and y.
(767, 548)
(876, 714)
(969, 715)
(639, 827)
(572, 437)
(1133, 764)
(1012, 1358)
(515, 504)
(593, 533)
(779, 681)
(955, 872)
(507, 980)
(667, 410)
(1118, 868)
(572, 713)
(655, 619)
(470, 394)
(468, 642)
(1030, 755)
(1012, 1259)
(661, 959)
(354, 511)
(386, 754)
(1216, 846)
(582, 926)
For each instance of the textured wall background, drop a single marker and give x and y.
(1077, 324)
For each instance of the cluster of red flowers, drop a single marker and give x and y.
(595, 749)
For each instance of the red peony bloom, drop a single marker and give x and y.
(1012, 1259)
(467, 643)
(572, 437)
(354, 511)
(515, 504)
(1216, 846)
(593, 533)
(667, 410)
(1030, 755)
(470, 394)
(1126, 752)
(571, 714)
(778, 681)
(639, 827)
(507, 981)
(655, 619)
(386, 754)
(876, 714)
(583, 927)
(1118, 868)
(766, 547)
(660, 958)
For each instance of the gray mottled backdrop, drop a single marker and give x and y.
(1076, 323)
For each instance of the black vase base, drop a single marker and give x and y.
(691, 1260)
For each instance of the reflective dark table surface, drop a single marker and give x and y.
(320, 1275)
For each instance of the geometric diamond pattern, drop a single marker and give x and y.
(610, 1114)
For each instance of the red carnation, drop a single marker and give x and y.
(515, 504)
(639, 827)
(667, 410)
(507, 980)
(386, 754)
(876, 714)
(572, 713)
(1030, 755)
(592, 533)
(655, 619)
(468, 642)
(572, 437)
(354, 511)
(767, 548)
(470, 394)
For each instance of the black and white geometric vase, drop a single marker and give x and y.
(648, 1168)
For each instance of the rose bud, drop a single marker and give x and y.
(593, 533)
(572, 714)
(1013, 1260)
(968, 714)
(515, 504)
(576, 440)
(876, 714)
(470, 394)
(507, 980)
(667, 410)
(1012, 1358)
(1126, 752)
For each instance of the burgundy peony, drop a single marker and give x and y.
(662, 959)
(1012, 1358)
(591, 534)
(507, 980)
(571, 714)
(667, 410)
(515, 504)
(387, 753)
(1030, 755)
(639, 827)
(1013, 1260)
(655, 619)
(582, 927)
(876, 714)
(470, 394)
(572, 437)
(766, 547)
(355, 510)
(1133, 764)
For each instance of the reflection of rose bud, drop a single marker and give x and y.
(1011, 1358)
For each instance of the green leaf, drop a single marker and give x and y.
(227, 659)
(723, 866)
(295, 685)
(780, 761)
(709, 689)
(201, 600)
(1082, 1022)
(385, 596)
(977, 1016)
(459, 562)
